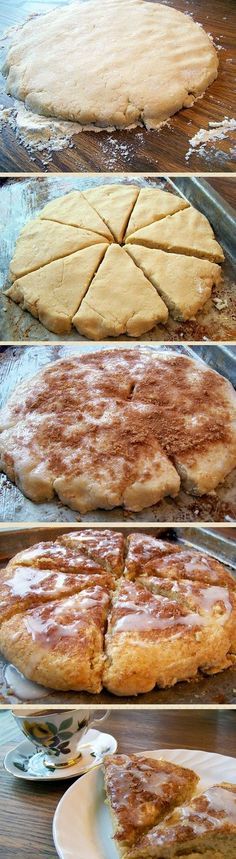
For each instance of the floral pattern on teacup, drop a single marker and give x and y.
(56, 739)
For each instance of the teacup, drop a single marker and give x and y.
(58, 733)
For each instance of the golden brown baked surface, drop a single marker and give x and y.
(125, 605)
(141, 791)
(119, 428)
(207, 823)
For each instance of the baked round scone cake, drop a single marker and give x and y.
(95, 609)
(141, 791)
(115, 259)
(206, 827)
(120, 427)
(125, 63)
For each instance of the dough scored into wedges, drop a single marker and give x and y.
(74, 210)
(53, 293)
(186, 232)
(125, 62)
(114, 204)
(185, 283)
(119, 300)
(151, 205)
(41, 242)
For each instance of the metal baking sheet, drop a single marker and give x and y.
(22, 199)
(217, 689)
(18, 363)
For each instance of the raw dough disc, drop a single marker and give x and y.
(115, 63)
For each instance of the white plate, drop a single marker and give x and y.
(82, 824)
(93, 749)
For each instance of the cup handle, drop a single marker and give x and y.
(102, 719)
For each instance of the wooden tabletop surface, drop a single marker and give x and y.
(26, 810)
(139, 150)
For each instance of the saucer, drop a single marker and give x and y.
(24, 762)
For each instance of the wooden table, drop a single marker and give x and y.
(139, 150)
(26, 810)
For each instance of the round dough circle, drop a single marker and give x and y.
(119, 427)
(118, 63)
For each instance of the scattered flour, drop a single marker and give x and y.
(203, 138)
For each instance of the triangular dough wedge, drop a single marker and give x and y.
(185, 283)
(152, 205)
(114, 204)
(208, 823)
(74, 210)
(141, 790)
(120, 299)
(41, 242)
(53, 293)
(187, 232)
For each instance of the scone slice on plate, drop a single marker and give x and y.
(151, 640)
(105, 547)
(187, 232)
(207, 823)
(184, 283)
(120, 300)
(60, 644)
(151, 205)
(114, 204)
(74, 209)
(42, 242)
(140, 791)
(54, 292)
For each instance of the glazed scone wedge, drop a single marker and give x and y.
(120, 300)
(147, 556)
(23, 587)
(87, 552)
(41, 242)
(140, 791)
(54, 292)
(152, 640)
(151, 205)
(114, 204)
(187, 232)
(184, 283)
(75, 210)
(207, 823)
(60, 644)
(104, 547)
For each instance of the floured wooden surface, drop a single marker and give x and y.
(137, 150)
(18, 364)
(21, 200)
